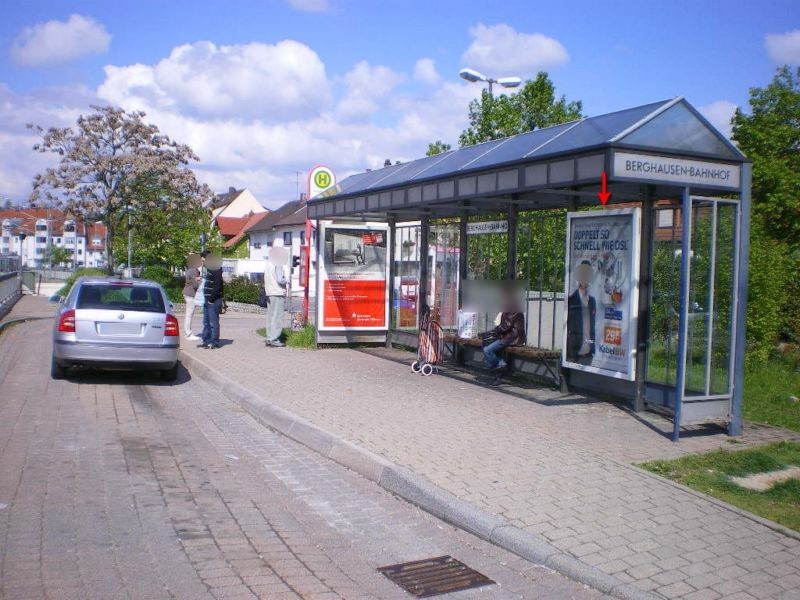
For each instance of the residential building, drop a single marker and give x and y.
(234, 203)
(45, 228)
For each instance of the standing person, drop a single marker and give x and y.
(275, 280)
(510, 331)
(581, 317)
(213, 288)
(193, 262)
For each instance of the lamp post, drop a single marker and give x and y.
(473, 76)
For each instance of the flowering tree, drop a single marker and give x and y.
(113, 165)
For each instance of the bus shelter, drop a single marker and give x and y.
(657, 275)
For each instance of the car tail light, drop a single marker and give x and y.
(67, 322)
(171, 326)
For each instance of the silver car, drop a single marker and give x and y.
(116, 324)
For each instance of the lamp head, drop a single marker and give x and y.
(472, 75)
(509, 82)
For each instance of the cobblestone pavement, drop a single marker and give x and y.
(118, 486)
(555, 465)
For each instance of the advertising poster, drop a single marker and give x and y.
(601, 292)
(354, 291)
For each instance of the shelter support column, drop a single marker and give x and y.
(462, 257)
(422, 294)
(683, 320)
(645, 280)
(511, 264)
(392, 221)
(740, 341)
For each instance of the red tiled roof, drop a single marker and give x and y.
(25, 220)
(251, 220)
(230, 226)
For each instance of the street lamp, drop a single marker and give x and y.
(472, 76)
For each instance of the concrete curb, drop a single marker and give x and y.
(415, 488)
(6, 324)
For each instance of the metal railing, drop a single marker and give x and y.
(9, 289)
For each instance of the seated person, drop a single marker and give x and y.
(510, 332)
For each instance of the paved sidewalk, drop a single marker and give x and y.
(554, 465)
(30, 306)
(121, 486)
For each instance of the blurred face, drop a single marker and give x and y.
(583, 274)
(193, 260)
(213, 262)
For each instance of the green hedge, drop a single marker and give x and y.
(241, 289)
(85, 272)
(172, 285)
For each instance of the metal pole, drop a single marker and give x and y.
(130, 244)
(511, 257)
(391, 241)
(645, 282)
(422, 300)
(743, 238)
(683, 323)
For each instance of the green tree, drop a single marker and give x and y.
(437, 147)
(770, 137)
(56, 256)
(162, 237)
(106, 163)
(533, 107)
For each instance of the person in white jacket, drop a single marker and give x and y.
(275, 281)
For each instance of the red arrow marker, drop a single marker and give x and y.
(604, 194)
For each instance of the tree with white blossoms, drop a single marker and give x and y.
(114, 165)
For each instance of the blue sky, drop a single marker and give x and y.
(359, 81)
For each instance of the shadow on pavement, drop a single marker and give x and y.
(98, 377)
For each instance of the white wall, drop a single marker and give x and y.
(244, 204)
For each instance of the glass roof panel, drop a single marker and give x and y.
(413, 169)
(597, 130)
(678, 128)
(459, 158)
(360, 182)
(517, 147)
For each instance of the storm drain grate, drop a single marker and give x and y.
(434, 576)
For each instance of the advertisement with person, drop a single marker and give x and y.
(601, 291)
(353, 271)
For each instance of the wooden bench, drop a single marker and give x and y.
(549, 359)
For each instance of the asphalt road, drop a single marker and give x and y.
(120, 486)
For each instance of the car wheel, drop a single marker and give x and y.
(170, 374)
(56, 370)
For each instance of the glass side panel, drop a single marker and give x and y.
(406, 277)
(678, 128)
(597, 130)
(662, 364)
(517, 147)
(724, 278)
(443, 283)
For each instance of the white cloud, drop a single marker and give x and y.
(719, 113)
(58, 42)
(502, 51)
(271, 81)
(366, 85)
(425, 72)
(248, 139)
(310, 5)
(784, 48)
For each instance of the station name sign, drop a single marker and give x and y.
(481, 227)
(676, 170)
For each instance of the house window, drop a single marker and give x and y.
(41, 227)
(69, 241)
(58, 240)
(257, 245)
(69, 227)
(303, 237)
(5, 239)
(41, 239)
(665, 217)
(40, 251)
(96, 242)
(287, 238)
(80, 251)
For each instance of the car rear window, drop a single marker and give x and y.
(121, 297)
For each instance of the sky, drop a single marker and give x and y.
(265, 89)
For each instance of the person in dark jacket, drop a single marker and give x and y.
(510, 332)
(581, 318)
(213, 288)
